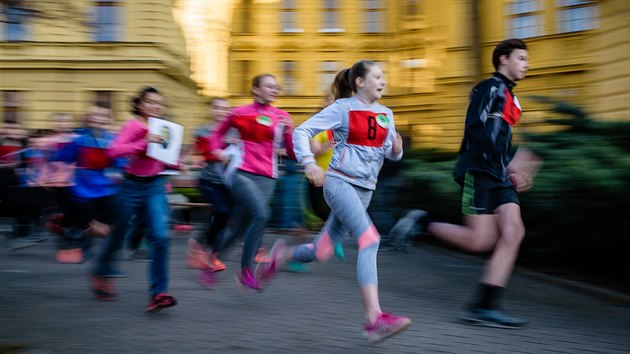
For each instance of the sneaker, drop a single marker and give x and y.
(207, 278)
(216, 265)
(19, 243)
(266, 271)
(72, 256)
(339, 254)
(385, 326)
(261, 256)
(182, 228)
(196, 257)
(102, 288)
(160, 301)
(492, 318)
(296, 267)
(245, 280)
(401, 232)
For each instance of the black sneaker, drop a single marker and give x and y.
(408, 225)
(492, 318)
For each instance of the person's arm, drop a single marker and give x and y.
(393, 144)
(328, 118)
(214, 143)
(132, 140)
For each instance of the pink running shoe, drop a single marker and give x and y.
(207, 278)
(385, 326)
(160, 301)
(245, 280)
(266, 271)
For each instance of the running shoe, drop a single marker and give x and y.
(196, 257)
(492, 318)
(261, 256)
(266, 271)
(207, 278)
(246, 280)
(296, 267)
(182, 228)
(160, 301)
(102, 288)
(216, 265)
(15, 244)
(385, 326)
(339, 254)
(72, 256)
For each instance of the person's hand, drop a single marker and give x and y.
(523, 168)
(397, 145)
(521, 181)
(222, 156)
(314, 174)
(154, 138)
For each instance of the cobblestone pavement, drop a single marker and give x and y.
(46, 307)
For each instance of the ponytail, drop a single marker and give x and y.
(341, 88)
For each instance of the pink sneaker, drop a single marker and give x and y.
(246, 280)
(196, 257)
(385, 326)
(266, 271)
(207, 278)
(182, 228)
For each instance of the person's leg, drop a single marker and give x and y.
(156, 217)
(502, 261)
(128, 200)
(253, 195)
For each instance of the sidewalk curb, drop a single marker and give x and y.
(603, 293)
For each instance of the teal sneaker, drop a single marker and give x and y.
(339, 251)
(296, 267)
(492, 318)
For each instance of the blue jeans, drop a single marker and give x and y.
(148, 200)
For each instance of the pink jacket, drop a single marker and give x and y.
(262, 128)
(132, 143)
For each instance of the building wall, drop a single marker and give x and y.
(433, 58)
(60, 65)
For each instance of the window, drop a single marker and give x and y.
(104, 97)
(289, 77)
(373, 16)
(11, 106)
(327, 72)
(246, 24)
(16, 17)
(108, 23)
(330, 17)
(411, 14)
(288, 17)
(244, 74)
(575, 15)
(525, 18)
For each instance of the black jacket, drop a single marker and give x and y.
(487, 143)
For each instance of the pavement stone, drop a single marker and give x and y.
(46, 307)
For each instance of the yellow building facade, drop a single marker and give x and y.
(432, 52)
(62, 55)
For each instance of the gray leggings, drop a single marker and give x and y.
(348, 204)
(252, 195)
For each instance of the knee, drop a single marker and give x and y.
(513, 236)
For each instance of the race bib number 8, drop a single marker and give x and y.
(368, 128)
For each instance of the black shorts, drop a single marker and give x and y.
(81, 211)
(483, 194)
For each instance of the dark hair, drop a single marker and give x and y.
(505, 48)
(102, 104)
(135, 102)
(258, 78)
(340, 87)
(345, 81)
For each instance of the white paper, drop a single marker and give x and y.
(172, 133)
